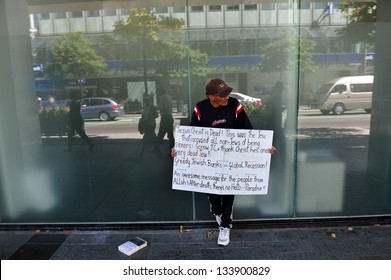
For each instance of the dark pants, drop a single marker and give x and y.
(149, 138)
(166, 126)
(78, 127)
(222, 205)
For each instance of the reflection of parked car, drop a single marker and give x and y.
(244, 98)
(100, 107)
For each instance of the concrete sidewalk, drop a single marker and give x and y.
(363, 242)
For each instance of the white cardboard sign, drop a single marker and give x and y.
(222, 161)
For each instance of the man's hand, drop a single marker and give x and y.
(173, 153)
(272, 150)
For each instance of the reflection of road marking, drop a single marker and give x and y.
(94, 122)
(131, 120)
(128, 120)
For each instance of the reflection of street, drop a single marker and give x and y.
(333, 152)
(111, 175)
(124, 127)
(352, 119)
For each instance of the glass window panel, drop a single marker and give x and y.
(109, 12)
(214, 8)
(234, 48)
(250, 7)
(161, 10)
(197, 8)
(304, 5)
(93, 13)
(44, 16)
(320, 5)
(76, 14)
(284, 6)
(232, 7)
(179, 9)
(60, 15)
(341, 93)
(268, 6)
(361, 87)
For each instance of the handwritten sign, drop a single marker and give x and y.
(222, 161)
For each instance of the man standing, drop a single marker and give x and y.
(166, 121)
(220, 111)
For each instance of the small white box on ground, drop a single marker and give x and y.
(132, 246)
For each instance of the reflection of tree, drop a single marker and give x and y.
(361, 18)
(178, 61)
(175, 60)
(361, 27)
(74, 57)
(279, 55)
(288, 54)
(142, 33)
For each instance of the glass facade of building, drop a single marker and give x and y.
(333, 154)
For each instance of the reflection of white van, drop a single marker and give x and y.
(346, 93)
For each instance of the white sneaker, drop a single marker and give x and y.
(218, 219)
(223, 239)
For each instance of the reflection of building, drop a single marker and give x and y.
(231, 35)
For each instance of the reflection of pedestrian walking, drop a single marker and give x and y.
(149, 138)
(75, 122)
(166, 121)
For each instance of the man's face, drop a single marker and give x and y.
(218, 101)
